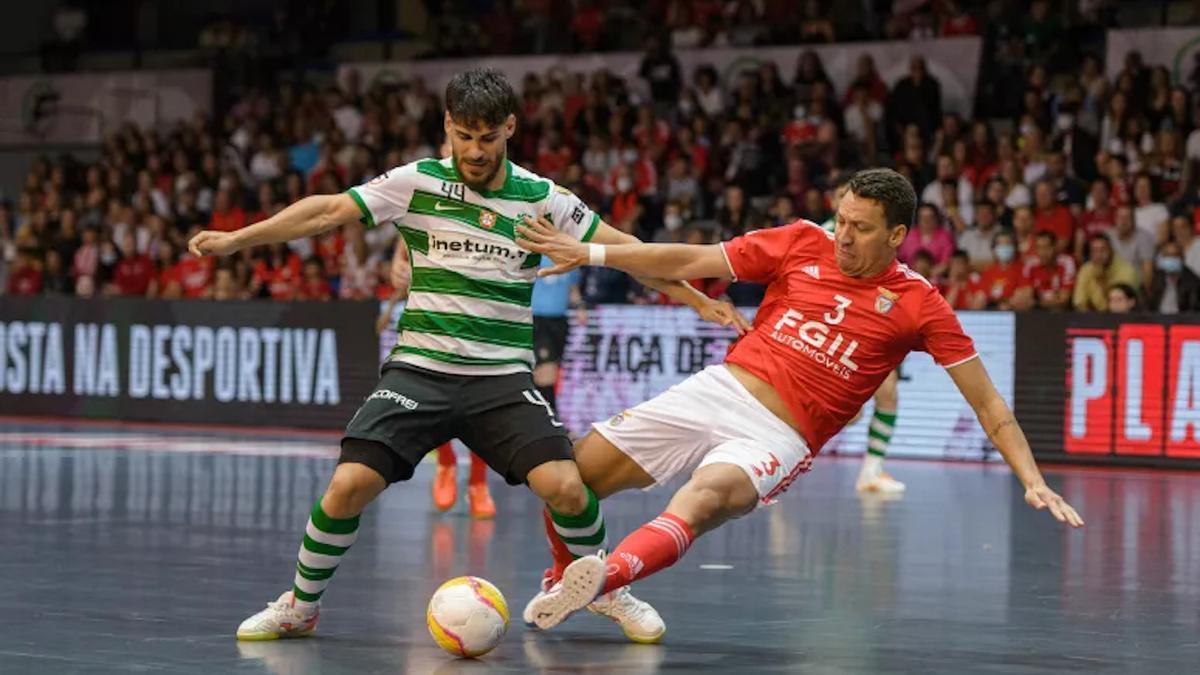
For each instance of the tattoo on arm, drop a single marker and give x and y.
(999, 427)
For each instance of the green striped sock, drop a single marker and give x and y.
(326, 540)
(883, 425)
(583, 534)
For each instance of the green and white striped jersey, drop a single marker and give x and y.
(468, 309)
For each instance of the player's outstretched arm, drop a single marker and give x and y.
(306, 218)
(714, 311)
(658, 261)
(1001, 426)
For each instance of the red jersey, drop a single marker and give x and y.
(1097, 222)
(25, 281)
(1045, 280)
(826, 341)
(282, 282)
(194, 275)
(958, 294)
(999, 282)
(314, 289)
(132, 275)
(1057, 221)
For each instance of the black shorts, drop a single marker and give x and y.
(549, 338)
(501, 418)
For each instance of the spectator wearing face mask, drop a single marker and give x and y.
(1174, 288)
(672, 231)
(1102, 271)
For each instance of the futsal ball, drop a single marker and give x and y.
(467, 616)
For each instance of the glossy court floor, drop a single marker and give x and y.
(140, 551)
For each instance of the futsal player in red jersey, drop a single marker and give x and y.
(840, 313)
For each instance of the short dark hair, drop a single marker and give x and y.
(480, 96)
(891, 190)
(959, 253)
(1126, 290)
(1047, 234)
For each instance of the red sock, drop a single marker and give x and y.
(446, 455)
(652, 547)
(558, 550)
(479, 469)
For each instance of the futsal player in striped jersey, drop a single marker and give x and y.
(461, 366)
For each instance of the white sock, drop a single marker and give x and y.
(872, 464)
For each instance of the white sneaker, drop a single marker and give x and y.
(880, 482)
(280, 619)
(637, 618)
(547, 583)
(581, 583)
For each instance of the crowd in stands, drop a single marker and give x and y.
(1084, 197)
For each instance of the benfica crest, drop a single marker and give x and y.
(487, 219)
(886, 300)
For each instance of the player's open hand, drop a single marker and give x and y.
(723, 313)
(541, 236)
(1042, 497)
(212, 242)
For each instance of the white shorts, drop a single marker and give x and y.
(710, 418)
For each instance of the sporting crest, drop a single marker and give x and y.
(487, 219)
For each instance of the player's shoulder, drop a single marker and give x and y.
(524, 185)
(403, 176)
(799, 229)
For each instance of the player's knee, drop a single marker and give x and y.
(707, 505)
(349, 492)
(566, 495)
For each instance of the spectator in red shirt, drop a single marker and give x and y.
(134, 272)
(314, 286)
(1002, 283)
(226, 216)
(166, 284)
(194, 275)
(957, 22)
(962, 287)
(587, 26)
(276, 275)
(1099, 217)
(1052, 217)
(384, 290)
(1052, 274)
(1023, 231)
(26, 276)
(553, 156)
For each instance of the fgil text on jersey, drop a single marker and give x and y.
(817, 341)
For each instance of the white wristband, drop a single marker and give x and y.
(596, 255)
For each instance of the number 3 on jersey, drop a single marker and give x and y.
(839, 312)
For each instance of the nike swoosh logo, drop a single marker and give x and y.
(439, 206)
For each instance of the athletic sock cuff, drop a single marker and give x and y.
(332, 525)
(584, 519)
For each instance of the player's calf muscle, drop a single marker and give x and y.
(352, 487)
